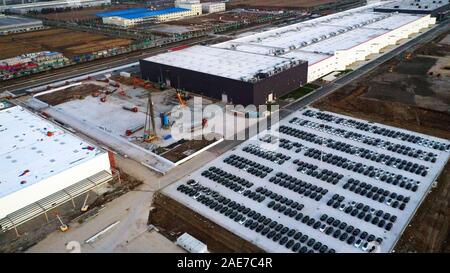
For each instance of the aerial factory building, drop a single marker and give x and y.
(42, 166)
(259, 68)
(131, 17)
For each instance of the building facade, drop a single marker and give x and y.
(212, 7)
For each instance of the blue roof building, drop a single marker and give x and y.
(130, 17)
(122, 12)
(152, 13)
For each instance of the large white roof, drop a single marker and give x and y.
(221, 62)
(344, 41)
(28, 155)
(244, 57)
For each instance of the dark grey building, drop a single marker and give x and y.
(227, 74)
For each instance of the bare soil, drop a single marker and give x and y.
(173, 219)
(185, 149)
(76, 92)
(68, 42)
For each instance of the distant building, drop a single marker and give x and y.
(212, 7)
(131, 17)
(193, 5)
(14, 24)
(258, 68)
(437, 8)
(23, 8)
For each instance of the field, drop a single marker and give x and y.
(411, 93)
(68, 42)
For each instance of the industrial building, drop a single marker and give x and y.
(327, 44)
(131, 17)
(212, 7)
(43, 166)
(14, 24)
(232, 76)
(437, 8)
(24, 8)
(317, 182)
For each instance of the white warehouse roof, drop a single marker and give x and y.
(242, 58)
(36, 157)
(221, 62)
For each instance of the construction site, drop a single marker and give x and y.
(133, 117)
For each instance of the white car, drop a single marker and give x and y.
(367, 247)
(197, 195)
(358, 243)
(322, 228)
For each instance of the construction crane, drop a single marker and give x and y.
(149, 134)
(182, 98)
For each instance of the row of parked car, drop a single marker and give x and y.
(248, 165)
(382, 143)
(377, 193)
(290, 238)
(362, 211)
(366, 170)
(278, 158)
(314, 171)
(379, 130)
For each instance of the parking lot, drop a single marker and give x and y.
(320, 182)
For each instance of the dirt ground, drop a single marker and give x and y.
(218, 18)
(68, 42)
(76, 92)
(185, 149)
(402, 92)
(429, 230)
(173, 219)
